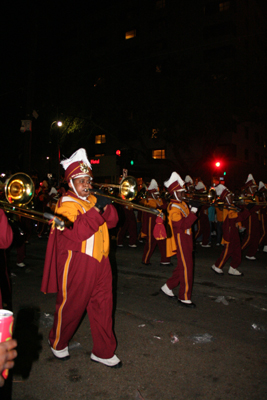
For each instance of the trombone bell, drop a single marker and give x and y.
(19, 189)
(128, 188)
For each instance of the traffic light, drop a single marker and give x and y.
(132, 162)
(118, 153)
(217, 164)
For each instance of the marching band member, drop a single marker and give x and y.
(231, 240)
(180, 219)
(77, 265)
(153, 200)
(129, 226)
(252, 224)
(262, 191)
(203, 223)
(189, 184)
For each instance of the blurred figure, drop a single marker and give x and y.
(251, 237)
(203, 224)
(261, 198)
(41, 199)
(180, 219)
(153, 200)
(128, 228)
(231, 239)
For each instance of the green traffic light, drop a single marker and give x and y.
(224, 173)
(132, 162)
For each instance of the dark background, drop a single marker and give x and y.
(184, 74)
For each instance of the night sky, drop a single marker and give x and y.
(35, 42)
(41, 62)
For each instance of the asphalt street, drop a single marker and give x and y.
(215, 351)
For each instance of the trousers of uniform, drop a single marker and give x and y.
(130, 226)
(86, 284)
(252, 235)
(203, 228)
(263, 234)
(183, 273)
(150, 246)
(231, 250)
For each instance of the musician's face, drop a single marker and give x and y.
(82, 185)
(190, 188)
(230, 198)
(252, 189)
(155, 195)
(179, 195)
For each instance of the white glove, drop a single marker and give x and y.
(194, 209)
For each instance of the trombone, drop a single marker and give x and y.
(127, 188)
(19, 191)
(127, 192)
(204, 197)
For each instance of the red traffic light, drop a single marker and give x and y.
(118, 152)
(217, 164)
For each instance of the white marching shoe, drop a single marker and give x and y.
(234, 271)
(251, 258)
(61, 354)
(113, 362)
(217, 270)
(167, 291)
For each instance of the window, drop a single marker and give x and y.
(158, 154)
(99, 139)
(225, 6)
(130, 34)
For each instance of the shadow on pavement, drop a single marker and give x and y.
(29, 340)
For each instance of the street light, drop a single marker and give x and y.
(58, 124)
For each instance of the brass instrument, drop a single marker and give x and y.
(127, 188)
(142, 193)
(127, 192)
(204, 197)
(19, 191)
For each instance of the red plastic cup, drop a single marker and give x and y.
(6, 330)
